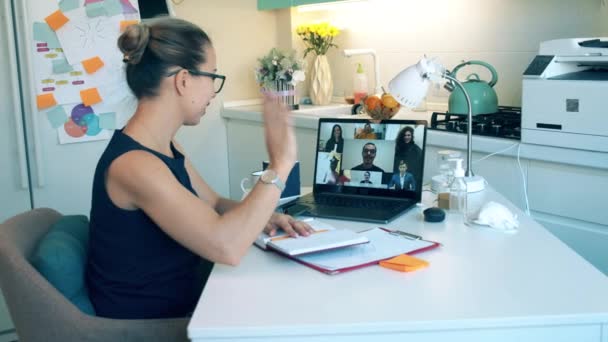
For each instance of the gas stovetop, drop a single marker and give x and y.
(506, 123)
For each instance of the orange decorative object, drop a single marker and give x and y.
(92, 64)
(90, 96)
(56, 20)
(46, 101)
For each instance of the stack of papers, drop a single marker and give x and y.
(334, 250)
(382, 245)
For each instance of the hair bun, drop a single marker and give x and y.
(133, 42)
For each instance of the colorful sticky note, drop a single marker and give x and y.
(56, 20)
(68, 5)
(95, 9)
(127, 8)
(125, 23)
(61, 66)
(107, 120)
(404, 263)
(92, 122)
(57, 116)
(43, 33)
(91, 1)
(90, 96)
(92, 64)
(112, 7)
(46, 100)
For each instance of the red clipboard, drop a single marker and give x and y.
(351, 268)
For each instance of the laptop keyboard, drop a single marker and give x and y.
(355, 202)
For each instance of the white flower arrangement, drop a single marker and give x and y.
(279, 66)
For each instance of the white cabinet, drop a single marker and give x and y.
(570, 201)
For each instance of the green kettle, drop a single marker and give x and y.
(482, 95)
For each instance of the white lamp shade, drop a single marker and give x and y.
(410, 86)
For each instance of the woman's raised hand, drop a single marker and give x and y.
(280, 136)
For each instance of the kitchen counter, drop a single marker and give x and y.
(308, 116)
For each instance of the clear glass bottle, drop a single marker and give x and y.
(458, 190)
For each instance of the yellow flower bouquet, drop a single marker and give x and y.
(317, 37)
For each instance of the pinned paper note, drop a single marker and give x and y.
(68, 5)
(90, 96)
(127, 7)
(95, 9)
(61, 66)
(112, 7)
(45, 101)
(107, 120)
(125, 23)
(92, 64)
(43, 33)
(56, 20)
(57, 116)
(87, 2)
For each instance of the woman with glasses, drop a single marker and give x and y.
(156, 227)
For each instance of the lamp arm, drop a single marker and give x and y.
(469, 171)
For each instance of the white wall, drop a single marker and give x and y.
(503, 33)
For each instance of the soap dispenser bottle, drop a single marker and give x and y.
(458, 190)
(359, 84)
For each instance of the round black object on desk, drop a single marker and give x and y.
(434, 214)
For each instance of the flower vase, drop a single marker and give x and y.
(286, 94)
(321, 85)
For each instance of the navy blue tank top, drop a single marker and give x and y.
(135, 270)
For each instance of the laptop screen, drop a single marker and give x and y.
(358, 156)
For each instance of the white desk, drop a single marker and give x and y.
(482, 285)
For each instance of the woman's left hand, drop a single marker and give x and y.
(287, 223)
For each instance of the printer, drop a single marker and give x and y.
(565, 95)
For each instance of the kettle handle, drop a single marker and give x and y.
(484, 64)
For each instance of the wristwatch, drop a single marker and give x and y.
(270, 177)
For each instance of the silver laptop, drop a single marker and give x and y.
(365, 170)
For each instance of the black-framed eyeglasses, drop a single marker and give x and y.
(218, 80)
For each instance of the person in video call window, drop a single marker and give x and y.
(369, 154)
(366, 133)
(366, 176)
(408, 151)
(336, 142)
(402, 180)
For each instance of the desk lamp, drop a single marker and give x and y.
(410, 87)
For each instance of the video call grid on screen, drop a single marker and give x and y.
(351, 166)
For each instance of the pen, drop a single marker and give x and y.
(405, 234)
(289, 237)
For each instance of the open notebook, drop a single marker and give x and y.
(325, 237)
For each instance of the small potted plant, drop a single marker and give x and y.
(279, 72)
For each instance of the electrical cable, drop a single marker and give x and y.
(521, 170)
(523, 178)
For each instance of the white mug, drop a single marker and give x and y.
(248, 183)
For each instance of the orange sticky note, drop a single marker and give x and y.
(56, 20)
(45, 101)
(90, 96)
(125, 23)
(404, 263)
(92, 64)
